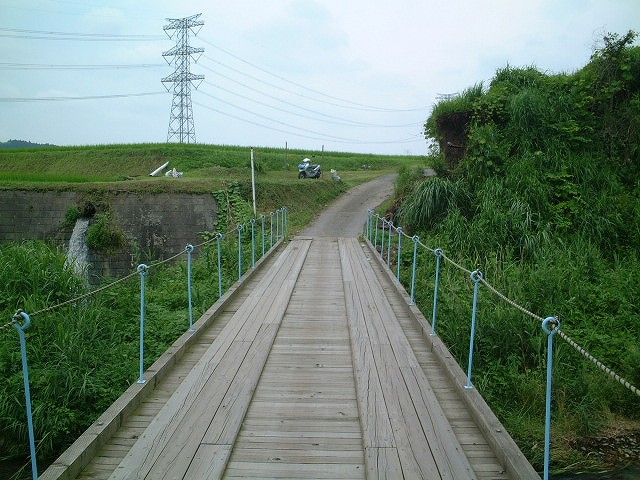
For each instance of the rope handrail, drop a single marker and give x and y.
(516, 305)
(625, 383)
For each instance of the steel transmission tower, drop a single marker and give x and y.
(181, 126)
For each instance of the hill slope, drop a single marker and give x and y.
(539, 188)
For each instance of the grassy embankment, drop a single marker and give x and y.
(82, 357)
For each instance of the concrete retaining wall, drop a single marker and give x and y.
(156, 226)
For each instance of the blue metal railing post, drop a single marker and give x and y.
(218, 240)
(286, 221)
(278, 220)
(476, 276)
(142, 270)
(415, 239)
(389, 245)
(434, 319)
(384, 221)
(253, 242)
(271, 231)
(27, 388)
(368, 227)
(375, 243)
(189, 249)
(239, 251)
(399, 230)
(262, 218)
(550, 325)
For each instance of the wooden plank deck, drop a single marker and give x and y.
(303, 420)
(317, 369)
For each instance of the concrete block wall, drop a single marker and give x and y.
(156, 226)
(34, 215)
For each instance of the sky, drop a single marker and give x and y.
(343, 75)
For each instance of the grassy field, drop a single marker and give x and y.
(205, 167)
(76, 370)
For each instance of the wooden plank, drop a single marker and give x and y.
(376, 426)
(383, 463)
(304, 414)
(425, 441)
(173, 432)
(208, 462)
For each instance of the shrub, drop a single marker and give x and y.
(104, 235)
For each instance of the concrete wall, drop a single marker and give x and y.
(156, 225)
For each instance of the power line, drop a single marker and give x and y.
(84, 97)
(337, 121)
(50, 66)
(319, 137)
(363, 106)
(351, 107)
(75, 36)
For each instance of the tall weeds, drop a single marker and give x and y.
(549, 213)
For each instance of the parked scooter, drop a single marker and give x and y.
(307, 170)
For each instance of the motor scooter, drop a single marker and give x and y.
(308, 170)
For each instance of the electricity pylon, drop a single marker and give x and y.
(181, 126)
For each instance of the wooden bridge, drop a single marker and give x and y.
(315, 366)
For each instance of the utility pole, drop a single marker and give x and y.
(181, 126)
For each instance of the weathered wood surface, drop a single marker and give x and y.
(319, 370)
(209, 405)
(412, 422)
(303, 420)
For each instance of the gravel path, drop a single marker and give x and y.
(347, 215)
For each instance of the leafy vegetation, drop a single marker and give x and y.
(103, 235)
(85, 355)
(545, 201)
(127, 167)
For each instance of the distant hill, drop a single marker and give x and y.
(23, 144)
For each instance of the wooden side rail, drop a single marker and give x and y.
(405, 431)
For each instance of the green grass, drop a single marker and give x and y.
(84, 356)
(128, 166)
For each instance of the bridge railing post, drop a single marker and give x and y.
(277, 225)
(375, 242)
(285, 222)
(399, 230)
(271, 230)
(239, 228)
(550, 325)
(382, 237)
(262, 218)
(253, 242)
(389, 245)
(476, 277)
(434, 319)
(218, 240)
(416, 240)
(20, 315)
(142, 270)
(189, 248)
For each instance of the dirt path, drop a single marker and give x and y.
(346, 216)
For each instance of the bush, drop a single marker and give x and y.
(104, 235)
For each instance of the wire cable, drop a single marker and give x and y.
(292, 92)
(361, 105)
(357, 142)
(50, 66)
(87, 97)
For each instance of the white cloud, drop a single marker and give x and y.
(380, 53)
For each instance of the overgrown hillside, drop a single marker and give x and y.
(538, 186)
